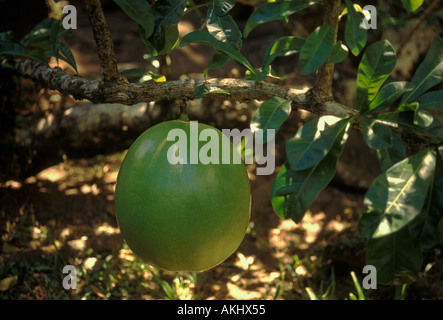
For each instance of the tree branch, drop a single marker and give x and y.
(132, 93)
(105, 46)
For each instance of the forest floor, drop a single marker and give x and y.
(65, 214)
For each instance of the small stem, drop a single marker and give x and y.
(323, 85)
(183, 110)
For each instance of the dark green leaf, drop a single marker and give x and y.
(431, 100)
(396, 258)
(387, 95)
(66, 55)
(313, 141)
(293, 191)
(283, 46)
(270, 115)
(8, 47)
(316, 49)
(223, 28)
(218, 60)
(407, 120)
(397, 196)
(376, 135)
(355, 34)
(339, 53)
(273, 11)
(204, 89)
(166, 13)
(222, 7)
(430, 72)
(387, 157)
(411, 5)
(40, 32)
(140, 12)
(200, 36)
(375, 67)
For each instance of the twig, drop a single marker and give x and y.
(105, 46)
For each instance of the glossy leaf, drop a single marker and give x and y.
(270, 115)
(387, 95)
(204, 89)
(283, 46)
(222, 7)
(375, 67)
(316, 49)
(339, 53)
(140, 12)
(396, 258)
(200, 36)
(411, 5)
(166, 13)
(432, 100)
(313, 141)
(389, 156)
(376, 135)
(272, 11)
(218, 60)
(355, 34)
(397, 196)
(223, 28)
(293, 192)
(407, 119)
(430, 71)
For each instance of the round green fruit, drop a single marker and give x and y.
(184, 216)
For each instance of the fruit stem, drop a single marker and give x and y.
(183, 110)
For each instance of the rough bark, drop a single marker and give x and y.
(132, 93)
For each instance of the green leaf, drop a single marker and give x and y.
(411, 5)
(316, 49)
(313, 141)
(387, 95)
(9, 47)
(223, 28)
(389, 156)
(166, 13)
(339, 53)
(222, 7)
(376, 135)
(431, 100)
(218, 60)
(355, 34)
(283, 46)
(200, 36)
(397, 196)
(407, 119)
(375, 67)
(430, 72)
(425, 227)
(39, 35)
(140, 12)
(66, 55)
(272, 11)
(204, 89)
(270, 115)
(293, 192)
(396, 258)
